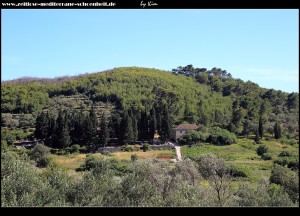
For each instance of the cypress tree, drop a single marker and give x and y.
(134, 124)
(152, 123)
(257, 139)
(128, 135)
(41, 126)
(144, 126)
(260, 127)
(93, 118)
(104, 133)
(116, 124)
(158, 120)
(165, 123)
(62, 136)
(246, 127)
(78, 131)
(277, 131)
(134, 128)
(51, 125)
(90, 129)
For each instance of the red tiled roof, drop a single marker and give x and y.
(187, 127)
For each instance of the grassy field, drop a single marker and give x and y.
(69, 162)
(73, 161)
(161, 154)
(244, 157)
(241, 155)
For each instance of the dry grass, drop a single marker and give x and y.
(73, 161)
(70, 162)
(162, 154)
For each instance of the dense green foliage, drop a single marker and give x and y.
(193, 137)
(215, 135)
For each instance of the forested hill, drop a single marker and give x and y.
(202, 98)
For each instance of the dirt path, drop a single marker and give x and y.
(178, 151)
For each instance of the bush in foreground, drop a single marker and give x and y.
(262, 149)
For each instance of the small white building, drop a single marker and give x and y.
(181, 129)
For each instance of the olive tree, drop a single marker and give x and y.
(213, 169)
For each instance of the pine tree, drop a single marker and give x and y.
(104, 133)
(277, 130)
(260, 127)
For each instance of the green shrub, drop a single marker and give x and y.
(75, 148)
(134, 157)
(12, 135)
(83, 150)
(61, 152)
(266, 156)
(91, 162)
(22, 186)
(128, 148)
(43, 162)
(284, 154)
(288, 179)
(39, 151)
(219, 136)
(290, 162)
(193, 137)
(105, 152)
(119, 167)
(145, 147)
(99, 166)
(262, 149)
(236, 172)
(264, 195)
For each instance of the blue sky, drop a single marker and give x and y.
(257, 45)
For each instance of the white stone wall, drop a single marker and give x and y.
(180, 133)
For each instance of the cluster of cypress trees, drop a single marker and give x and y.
(87, 129)
(131, 125)
(72, 127)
